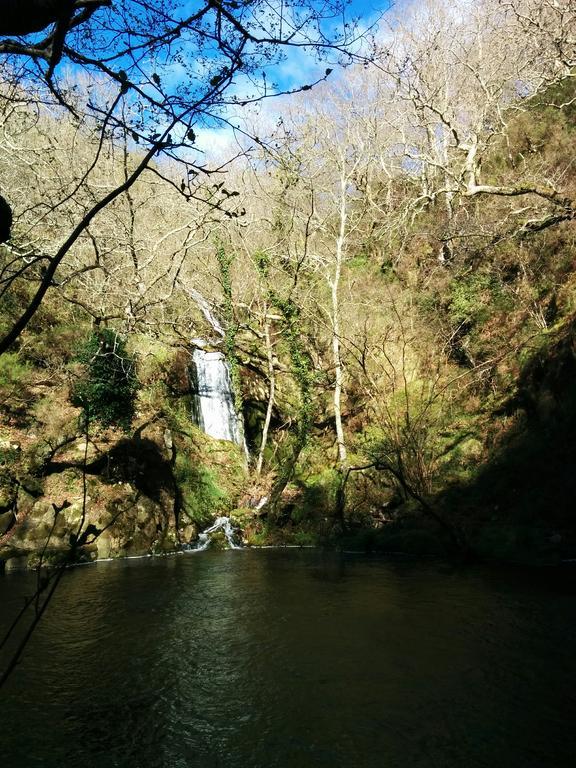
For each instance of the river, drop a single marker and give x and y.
(294, 659)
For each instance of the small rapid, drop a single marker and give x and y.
(220, 524)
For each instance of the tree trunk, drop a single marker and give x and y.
(271, 394)
(337, 361)
(336, 356)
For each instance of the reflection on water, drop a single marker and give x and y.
(294, 660)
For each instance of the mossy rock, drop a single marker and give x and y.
(7, 520)
(51, 559)
(218, 541)
(139, 525)
(33, 486)
(471, 449)
(166, 543)
(15, 562)
(104, 545)
(7, 497)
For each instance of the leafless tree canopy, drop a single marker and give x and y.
(145, 74)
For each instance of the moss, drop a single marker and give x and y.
(7, 520)
(257, 537)
(202, 497)
(303, 538)
(218, 541)
(34, 486)
(318, 495)
(14, 372)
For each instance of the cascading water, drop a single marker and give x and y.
(206, 310)
(214, 399)
(223, 524)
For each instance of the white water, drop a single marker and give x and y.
(223, 524)
(216, 413)
(204, 306)
(206, 310)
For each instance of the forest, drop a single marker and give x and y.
(383, 255)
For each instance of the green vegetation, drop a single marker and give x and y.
(398, 307)
(107, 391)
(202, 497)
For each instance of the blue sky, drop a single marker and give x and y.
(297, 68)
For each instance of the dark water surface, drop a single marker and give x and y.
(294, 659)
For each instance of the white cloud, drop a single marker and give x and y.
(216, 143)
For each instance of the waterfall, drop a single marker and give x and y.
(204, 307)
(206, 310)
(214, 400)
(221, 523)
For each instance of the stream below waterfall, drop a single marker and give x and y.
(220, 524)
(294, 659)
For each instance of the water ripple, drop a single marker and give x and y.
(294, 659)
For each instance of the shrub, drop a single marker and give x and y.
(471, 298)
(107, 391)
(13, 372)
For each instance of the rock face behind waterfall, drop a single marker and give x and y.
(214, 410)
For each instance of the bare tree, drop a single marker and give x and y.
(456, 77)
(154, 73)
